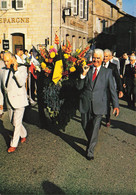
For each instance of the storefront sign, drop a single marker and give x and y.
(5, 44)
(14, 20)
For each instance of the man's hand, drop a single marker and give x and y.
(14, 61)
(120, 94)
(85, 70)
(1, 115)
(116, 111)
(1, 111)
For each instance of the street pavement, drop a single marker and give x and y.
(52, 161)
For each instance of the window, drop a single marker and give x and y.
(73, 43)
(19, 4)
(80, 43)
(4, 4)
(69, 3)
(81, 8)
(75, 7)
(98, 25)
(111, 12)
(104, 25)
(86, 9)
(13, 4)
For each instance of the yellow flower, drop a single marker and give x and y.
(36, 57)
(43, 65)
(51, 47)
(52, 54)
(78, 50)
(66, 56)
(46, 60)
(72, 69)
(84, 63)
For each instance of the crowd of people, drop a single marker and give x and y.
(101, 84)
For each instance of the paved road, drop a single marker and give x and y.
(53, 161)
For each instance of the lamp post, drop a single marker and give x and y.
(130, 33)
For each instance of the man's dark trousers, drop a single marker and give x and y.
(91, 125)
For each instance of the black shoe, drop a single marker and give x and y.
(89, 158)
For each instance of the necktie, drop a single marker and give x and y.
(6, 84)
(94, 74)
(104, 64)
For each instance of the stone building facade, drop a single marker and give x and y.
(110, 27)
(28, 22)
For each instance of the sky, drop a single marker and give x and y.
(129, 6)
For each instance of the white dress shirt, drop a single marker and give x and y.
(98, 69)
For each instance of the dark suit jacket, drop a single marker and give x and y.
(95, 95)
(122, 63)
(116, 75)
(129, 76)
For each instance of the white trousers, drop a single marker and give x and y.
(16, 117)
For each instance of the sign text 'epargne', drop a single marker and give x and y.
(14, 20)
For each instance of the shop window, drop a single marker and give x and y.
(4, 4)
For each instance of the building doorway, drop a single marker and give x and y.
(18, 42)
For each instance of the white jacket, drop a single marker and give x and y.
(16, 92)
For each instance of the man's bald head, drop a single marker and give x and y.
(8, 59)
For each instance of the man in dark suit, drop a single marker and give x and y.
(117, 81)
(123, 62)
(93, 83)
(130, 81)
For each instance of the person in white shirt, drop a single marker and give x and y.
(13, 91)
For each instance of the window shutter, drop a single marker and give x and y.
(13, 5)
(86, 9)
(69, 3)
(75, 9)
(81, 8)
(19, 4)
(4, 4)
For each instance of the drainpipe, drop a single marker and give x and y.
(60, 22)
(92, 12)
(51, 19)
